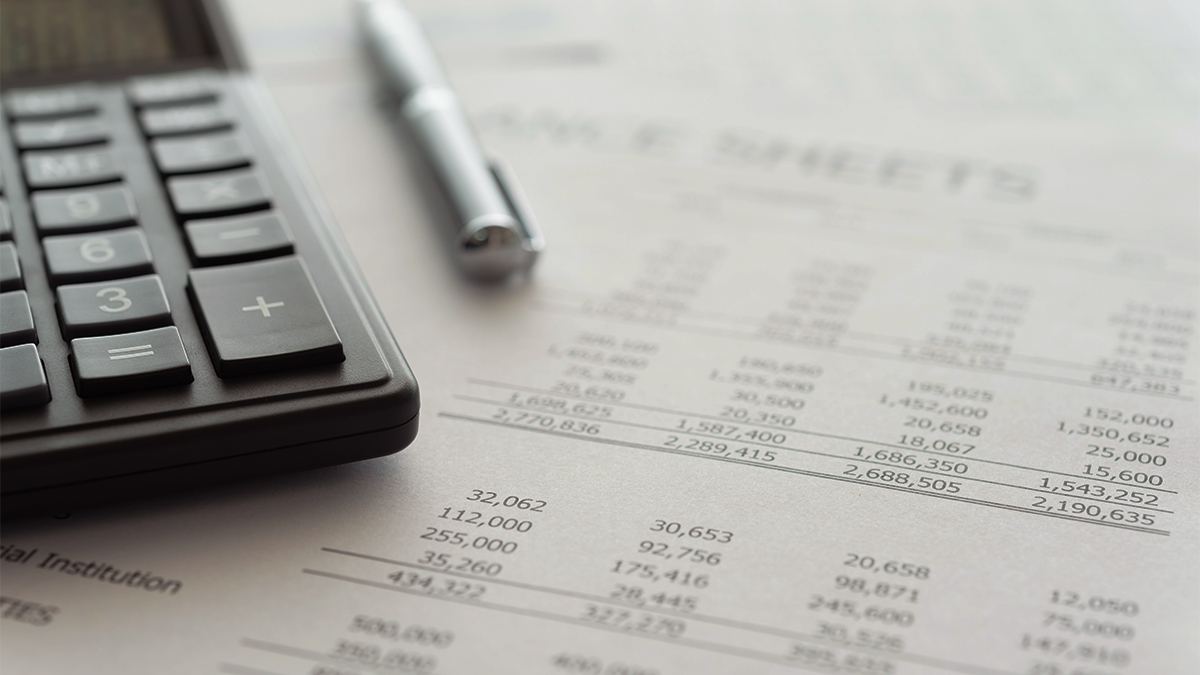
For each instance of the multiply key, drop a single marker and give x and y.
(263, 316)
(213, 194)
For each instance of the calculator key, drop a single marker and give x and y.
(193, 87)
(16, 319)
(10, 268)
(220, 241)
(83, 210)
(52, 101)
(111, 307)
(22, 378)
(195, 154)
(263, 316)
(189, 119)
(62, 133)
(218, 193)
(6, 227)
(65, 168)
(131, 361)
(92, 257)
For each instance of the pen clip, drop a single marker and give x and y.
(532, 241)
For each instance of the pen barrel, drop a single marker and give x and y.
(494, 236)
(490, 241)
(442, 130)
(399, 46)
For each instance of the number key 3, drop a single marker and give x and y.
(111, 307)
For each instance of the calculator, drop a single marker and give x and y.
(176, 306)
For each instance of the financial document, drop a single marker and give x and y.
(846, 355)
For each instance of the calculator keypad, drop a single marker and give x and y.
(254, 298)
(169, 320)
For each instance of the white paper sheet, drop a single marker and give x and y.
(841, 388)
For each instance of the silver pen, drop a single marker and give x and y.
(497, 235)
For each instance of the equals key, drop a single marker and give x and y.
(128, 362)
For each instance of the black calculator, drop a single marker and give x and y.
(176, 306)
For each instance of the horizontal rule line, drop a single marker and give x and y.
(814, 474)
(235, 669)
(560, 618)
(318, 657)
(734, 422)
(858, 460)
(701, 618)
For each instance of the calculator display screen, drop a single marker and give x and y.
(39, 36)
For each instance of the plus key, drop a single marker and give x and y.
(263, 316)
